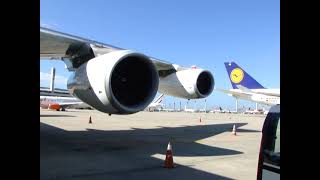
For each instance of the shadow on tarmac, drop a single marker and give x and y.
(123, 154)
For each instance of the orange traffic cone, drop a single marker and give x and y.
(234, 130)
(168, 163)
(90, 122)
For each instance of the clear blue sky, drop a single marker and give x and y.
(205, 33)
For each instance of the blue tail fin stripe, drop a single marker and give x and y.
(239, 76)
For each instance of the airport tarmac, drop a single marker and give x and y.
(134, 146)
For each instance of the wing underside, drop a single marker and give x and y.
(61, 46)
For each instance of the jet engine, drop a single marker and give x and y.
(190, 84)
(119, 82)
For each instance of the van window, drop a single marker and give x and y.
(271, 148)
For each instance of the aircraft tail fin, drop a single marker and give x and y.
(159, 99)
(239, 76)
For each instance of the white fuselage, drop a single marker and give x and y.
(59, 99)
(264, 96)
(188, 110)
(63, 101)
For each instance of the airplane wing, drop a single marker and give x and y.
(62, 46)
(244, 89)
(233, 92)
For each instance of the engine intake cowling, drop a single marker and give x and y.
(119, 82)
(189, 84)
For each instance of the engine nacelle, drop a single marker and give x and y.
(119, 82)
(189, 84)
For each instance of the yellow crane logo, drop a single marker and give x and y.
(236, 75)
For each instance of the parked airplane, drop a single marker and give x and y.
(58, 103)
(245, 87)
(218, 110)
(188, 110)
(254, 111)
(118, 81)
(156, 104)
(168, 110)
